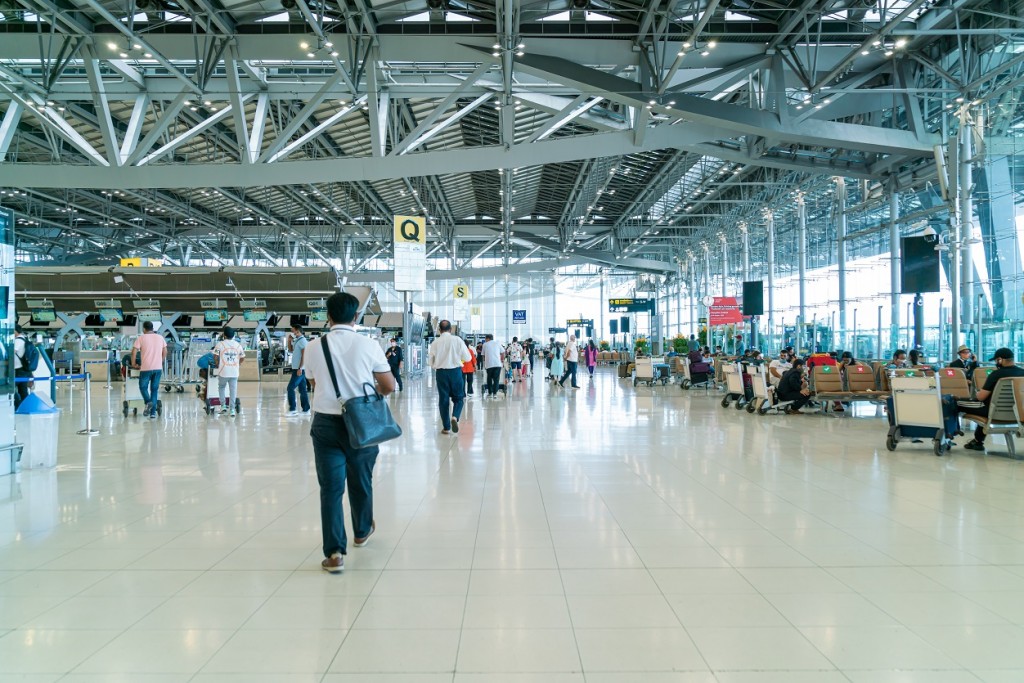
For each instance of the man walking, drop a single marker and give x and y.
(229, 354)
(572, 357)
(21, 369)
(692, 345)
(395, 359)
(446, 356)
(297, 346)
(493, 357)
(515, 358)
(148, 354)
(357, 359)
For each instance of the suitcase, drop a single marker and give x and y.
(623, 370)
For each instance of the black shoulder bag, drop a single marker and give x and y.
(367, 418)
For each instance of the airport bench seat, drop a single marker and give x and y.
(1004, 412)
(954, 382)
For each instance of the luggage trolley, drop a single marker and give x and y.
(131, 394)
(692, 378)
(917, 410)
(734, 389)
(184, 366)
(764, 394)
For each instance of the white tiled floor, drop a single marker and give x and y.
(607, 535)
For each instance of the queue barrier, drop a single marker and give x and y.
(83, 377)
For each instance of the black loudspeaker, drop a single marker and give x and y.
(919, 267)
(624, 325)
(753, 298)
(613, 326)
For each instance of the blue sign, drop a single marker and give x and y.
(519, 317)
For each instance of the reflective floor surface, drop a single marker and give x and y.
(601, 535)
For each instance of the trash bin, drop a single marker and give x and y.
(39, 434)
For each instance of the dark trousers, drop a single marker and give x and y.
(570, 369)
(590, 369)
(450, 390)
(21, 388)
(493, 378)
(149, 386)
(979, 431)
(336, 463)
(398, 376)
(298, 381)
(798, 399)
(469, 382)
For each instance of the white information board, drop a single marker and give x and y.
(410, 253)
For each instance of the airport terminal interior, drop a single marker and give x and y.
(769, 250)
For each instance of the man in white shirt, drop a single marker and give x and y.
(515, 358)
(779, 366)
(356, 359)
(446, 356)
(21, 388)
(493, 356)
(229, 354)
(572, 356)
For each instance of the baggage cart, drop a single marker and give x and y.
(918, 410)
(734, 389)
(131, 394)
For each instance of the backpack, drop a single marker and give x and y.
(30, 358)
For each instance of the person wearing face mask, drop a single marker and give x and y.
(395, 361)
(966, 361)
(1005, 367)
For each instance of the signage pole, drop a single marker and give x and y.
(406, 312)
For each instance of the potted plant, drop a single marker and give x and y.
(679, 344)
(604, 345)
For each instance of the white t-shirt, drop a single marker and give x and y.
(19, 352)
(572, 353)
(355, 359)
(492, 354)
(231, 354)
(780, 366)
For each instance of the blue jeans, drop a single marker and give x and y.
(570, 370)
(450, 389)
(336, 463)
(298, 381)
(149, 386)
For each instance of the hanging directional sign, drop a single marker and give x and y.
(461, 298)
(410, 237)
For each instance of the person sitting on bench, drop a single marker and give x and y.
(1005, 367)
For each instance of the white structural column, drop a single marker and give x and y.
(894, 268)
(692, 268)
(846, 340)
(725, 266)
(601, 305)
(706, 288)
(801, 235)
(770, 219)
(966, 294)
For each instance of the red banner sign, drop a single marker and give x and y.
(724, 311)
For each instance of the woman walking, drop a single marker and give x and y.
(590, 355)
(557, 363)
(468, 368)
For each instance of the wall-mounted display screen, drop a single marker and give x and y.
(44, 316)
(111, 315)
(318, 316)
(254, 315)
(220, 316)
(149, 316)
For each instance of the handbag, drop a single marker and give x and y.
(367, 418)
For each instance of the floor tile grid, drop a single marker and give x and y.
(709, 666)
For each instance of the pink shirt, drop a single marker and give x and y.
(152, 346)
